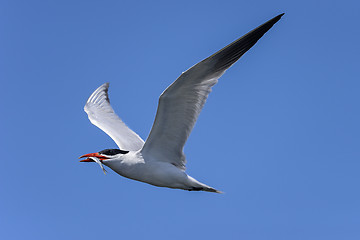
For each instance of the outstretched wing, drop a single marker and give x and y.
(102, 115)
(180, 104)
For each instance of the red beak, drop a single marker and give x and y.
(97, 155)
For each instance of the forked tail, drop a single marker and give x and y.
(198, 186)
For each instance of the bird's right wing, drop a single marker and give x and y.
(102, 115)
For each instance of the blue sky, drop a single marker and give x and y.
(279, 134)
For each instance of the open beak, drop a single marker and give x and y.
(97, 155)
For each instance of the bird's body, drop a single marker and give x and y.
(162, 174)
(160, 160)
(135, 166)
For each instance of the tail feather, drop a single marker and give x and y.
(206, 189)
(198, 186)
(210, 189)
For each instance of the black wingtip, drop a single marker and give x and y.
(275, 19)
(232, 52)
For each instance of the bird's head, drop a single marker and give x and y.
(103, 155)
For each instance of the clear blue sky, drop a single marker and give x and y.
(279, 134)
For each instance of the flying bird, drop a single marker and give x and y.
(160, 160)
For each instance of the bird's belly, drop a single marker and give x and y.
(157, 173)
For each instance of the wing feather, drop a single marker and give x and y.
(180, 104)
(102, 115)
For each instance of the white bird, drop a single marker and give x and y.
(160, 160)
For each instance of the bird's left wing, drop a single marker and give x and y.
(102, 115)
(180, 104)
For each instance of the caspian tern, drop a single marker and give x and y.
(160, 160)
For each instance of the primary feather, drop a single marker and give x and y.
(180, 104)
(102, 115)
